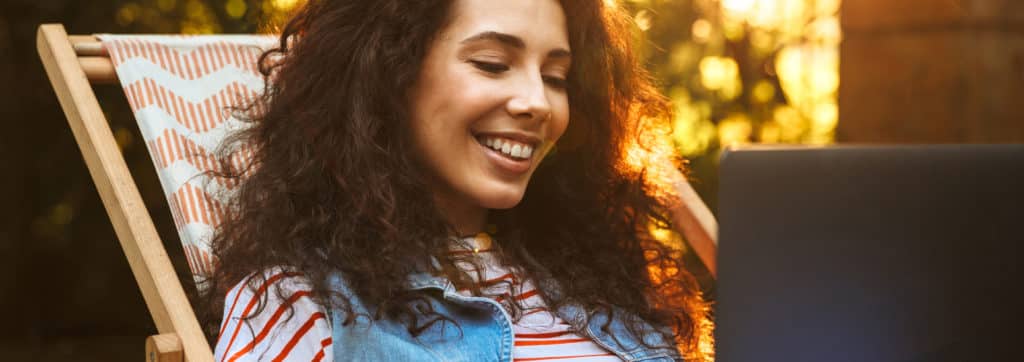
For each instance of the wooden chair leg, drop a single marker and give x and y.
(160, 286)
(164, 348)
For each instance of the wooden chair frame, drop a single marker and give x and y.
(75, 62)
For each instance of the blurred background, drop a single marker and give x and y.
(812, 72)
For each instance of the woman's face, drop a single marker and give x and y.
(490, 100)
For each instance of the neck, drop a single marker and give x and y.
(467, 218)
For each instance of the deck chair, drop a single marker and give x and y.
(180, 89)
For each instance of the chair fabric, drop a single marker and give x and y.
(182, 91)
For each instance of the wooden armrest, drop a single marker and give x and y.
(697, 224)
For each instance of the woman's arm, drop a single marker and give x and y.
(292, 328)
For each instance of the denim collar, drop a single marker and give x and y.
(616, 339)
(424, 280)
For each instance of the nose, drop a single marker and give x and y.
(529, 100)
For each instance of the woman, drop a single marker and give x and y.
(444, 180)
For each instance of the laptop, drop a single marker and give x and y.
(871, 253)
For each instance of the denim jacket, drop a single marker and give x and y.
(484, 332)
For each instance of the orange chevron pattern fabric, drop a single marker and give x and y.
(182, 91)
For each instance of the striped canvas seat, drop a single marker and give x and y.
(181, 90)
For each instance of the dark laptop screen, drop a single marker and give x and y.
(901, 253)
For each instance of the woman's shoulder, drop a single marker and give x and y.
(272, 314)
(273, 279)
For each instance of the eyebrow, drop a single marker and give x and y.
(513, 41)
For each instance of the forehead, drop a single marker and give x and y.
(540, 23)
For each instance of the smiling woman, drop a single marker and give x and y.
(442, 180)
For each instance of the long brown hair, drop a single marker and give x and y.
(334, 186)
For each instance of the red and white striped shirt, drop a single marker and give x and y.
(277, 333)
(540, 335)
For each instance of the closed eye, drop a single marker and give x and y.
(490, 67)
(557, 82)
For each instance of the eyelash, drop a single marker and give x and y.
(556, 82)
(498, 68)
(490, 67)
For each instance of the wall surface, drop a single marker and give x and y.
(932, 71)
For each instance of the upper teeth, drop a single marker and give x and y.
(509, 147)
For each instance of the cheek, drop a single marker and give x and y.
(435, 118)
(560, 119)
(453, 98)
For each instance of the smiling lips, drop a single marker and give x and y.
(510, 148)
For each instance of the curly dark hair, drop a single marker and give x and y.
(333, 184)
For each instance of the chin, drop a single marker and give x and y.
(501, 199)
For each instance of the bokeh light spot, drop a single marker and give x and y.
(235, 8)
(643, 20)
(701, 30)
(764, 91)
(166, 5)
(284, 4)
(123, 137)
(717, 72)
(127, 14)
